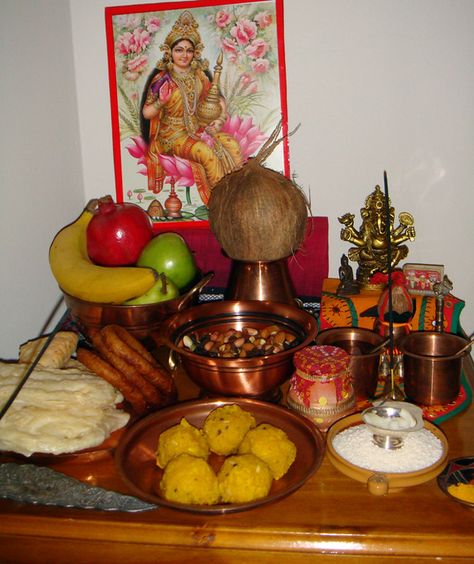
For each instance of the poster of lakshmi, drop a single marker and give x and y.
(196, 88)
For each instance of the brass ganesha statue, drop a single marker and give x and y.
(371, 248)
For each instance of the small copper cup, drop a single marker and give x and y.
(364, 365)
(432, 366)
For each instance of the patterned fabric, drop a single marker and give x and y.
(361, 310)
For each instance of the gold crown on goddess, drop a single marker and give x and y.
(185, 27)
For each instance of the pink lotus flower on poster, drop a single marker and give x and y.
(135, 42)
(263, 19)
(178, 171)
(244, 41)
(229, 46)
(128, 21)
(248, 135)
(260, 66)
(244, 31)
(135, 35)
(223, 18)
(153, 24)
(248, 84)
(246, 79)
(257, 49)
(132, 47)
(138, 64)
(138, 151)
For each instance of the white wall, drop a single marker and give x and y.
(40, 167)
(376, 85)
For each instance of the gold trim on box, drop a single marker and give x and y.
(322, 411)
(324, 378)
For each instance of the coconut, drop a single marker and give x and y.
(258, 214)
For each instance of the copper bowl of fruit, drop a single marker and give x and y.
(114, 269)
(217, 345)
(138, 319)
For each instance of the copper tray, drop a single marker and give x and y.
(136, 461)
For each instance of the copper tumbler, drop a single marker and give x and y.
(364, 365)
(432, 366)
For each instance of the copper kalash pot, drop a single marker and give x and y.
(432, 364)
(261, 280)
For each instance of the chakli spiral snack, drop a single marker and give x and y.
(151, 394)
(123, 344)
(118, 357)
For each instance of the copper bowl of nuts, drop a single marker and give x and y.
(238, 348)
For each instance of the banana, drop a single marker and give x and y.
(78, 276)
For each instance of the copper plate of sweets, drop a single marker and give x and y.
(136, 454)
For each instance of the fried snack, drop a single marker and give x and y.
(58, 353)
(130, 340)
(271, 445)
(226, 426)
(102, 368)
(122, 358)
(180, 438)
(190, 480)
(124, 345)
(243, 478)
(151, 394)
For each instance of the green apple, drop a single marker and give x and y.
(162, 290)
(169, 253)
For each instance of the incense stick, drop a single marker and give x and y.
(389, 269)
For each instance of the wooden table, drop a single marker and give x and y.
(329, 516)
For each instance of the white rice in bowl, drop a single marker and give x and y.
(419, 450)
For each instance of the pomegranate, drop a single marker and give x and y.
(117, 233)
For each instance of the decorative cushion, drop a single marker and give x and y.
(358, 310)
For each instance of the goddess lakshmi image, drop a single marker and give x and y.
(183, 113)
(180, 125)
